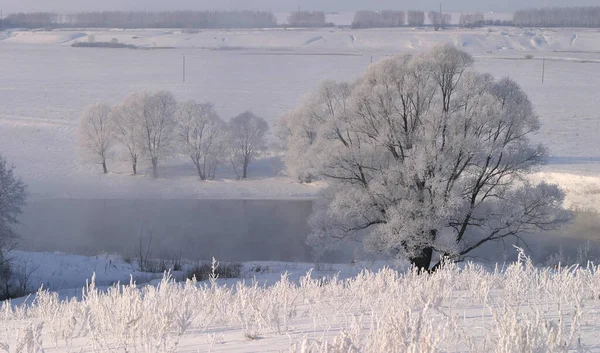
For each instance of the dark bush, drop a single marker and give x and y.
(102, 45)
(204, 270)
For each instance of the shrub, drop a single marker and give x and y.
(102, 45)
(204, 270)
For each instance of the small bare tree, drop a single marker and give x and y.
(126, 124)
(158, 123)
(96, 135)
(13, 194)
(144, 124)
(246, 139)
(202, 136)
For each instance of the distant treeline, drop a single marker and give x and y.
(387, 18)
(547, 17)
(416, 18)
(140, 19)
(307, 19)
(559, 17)
(374, 19)
(439, 20)
(471, 19)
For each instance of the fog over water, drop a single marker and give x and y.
(237, 230)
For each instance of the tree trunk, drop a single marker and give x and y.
(422, 261)
(104, 167)
(199, 169)
(134, 166)
(155, 168)
(245, 171)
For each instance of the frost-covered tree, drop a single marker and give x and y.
(424, 158)
(471, 19)
(246, 140)
(126, 122)
(415, 18)
(585, 16)
(158, 124)
(202, 136)
(298, 128)
(96, 134)
(13, 194)
(439, 20)
(375, 19)
(145, 123)
(307, 19)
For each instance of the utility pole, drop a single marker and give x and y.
(183, 68)
(543, 69)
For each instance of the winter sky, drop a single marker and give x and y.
(283, 5)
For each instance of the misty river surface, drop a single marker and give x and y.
(229, 230)
(241, 230)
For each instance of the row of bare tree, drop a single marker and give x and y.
(150, 126)
(142, 19)
(545, 17)
(307, 19)
(471, 19)
(559, 17)
(387, 18)
(381, 19)
(439, 20)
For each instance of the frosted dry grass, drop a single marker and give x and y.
(519, 308)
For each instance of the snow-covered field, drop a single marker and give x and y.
(46, 84)
(336, 308)
(281, 307)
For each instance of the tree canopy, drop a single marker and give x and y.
(424, 157)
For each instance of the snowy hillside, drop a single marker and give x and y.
(482, 40)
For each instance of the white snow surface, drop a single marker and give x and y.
(46, 84)
(335, 40)
(283, 307)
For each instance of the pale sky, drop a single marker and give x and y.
(283, 5)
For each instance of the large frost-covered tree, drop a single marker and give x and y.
(202, 135)
(424, 158)
(298, 128)
(246, 140)
(96, 134)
